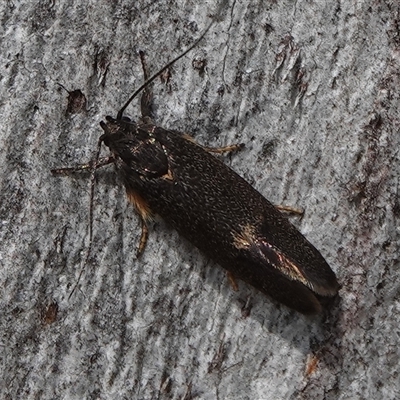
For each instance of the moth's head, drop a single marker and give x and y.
(113, 127)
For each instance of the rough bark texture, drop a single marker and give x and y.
(311, 87)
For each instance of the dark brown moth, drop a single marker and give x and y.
(167, 173)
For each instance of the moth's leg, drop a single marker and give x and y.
(232, 281)
(101, 162)
(143, 237)
(291, 210)
(226, 149)
(145, 214)
(146, 102)
(219, 150)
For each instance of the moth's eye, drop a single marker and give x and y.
(105, 139)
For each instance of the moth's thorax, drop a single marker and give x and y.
(135, 147)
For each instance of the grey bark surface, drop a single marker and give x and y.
(311, 88)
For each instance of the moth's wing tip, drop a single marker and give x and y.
(325, 283)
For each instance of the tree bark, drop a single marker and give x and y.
(311, 88)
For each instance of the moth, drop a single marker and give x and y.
(167, 173)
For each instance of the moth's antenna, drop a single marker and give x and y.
(151, 79)
(93, 168)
